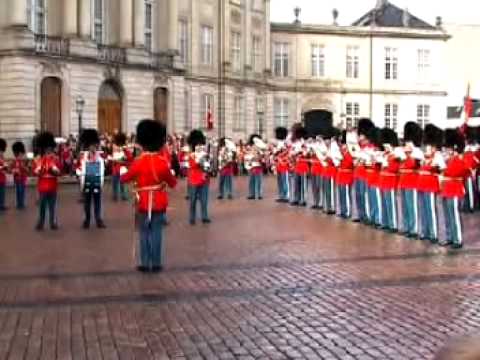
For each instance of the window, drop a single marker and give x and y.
(37, 16)
(236, 51)
(318, 61)
(207, 45)
(280, 66)
(391, 114)
(353, 62)
(238, 117)
(257, 54)
(206, 109)
(98, 13)
(391, 64)
(423, 115)
(423, 62)
(183, 39)
(352, 112)
(187, 119)
(260, 120)
(281, 112)
(148, 24)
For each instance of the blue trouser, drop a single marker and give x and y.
(282, 184)
(20, 194)
(2, 196)
(328, 194)
(361, 199)
(255, 186)
(291, 187)
(453, 221)
(389, 209)
(428, 215)
(301, 189)
(47, 201)
(345, 199)
(409, 211)
(151, 240)
(198, 194)
(119, 189)
(374, 206)
(93, 195)
(226, 186)
(469, 200)
(317, 191)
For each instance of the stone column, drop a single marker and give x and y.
(85, 18)
(70, 18)
(17, 13)
(268, 44)
(126, 23)
(139, 23)
(173, 25)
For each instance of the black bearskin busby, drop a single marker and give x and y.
(365, 126)
(89, 137)
(196, 138)
(151, 135)
(343, 137)
(221, 143)
(388, 136)
(3, 145)
(44, 141)
(298, 132)
(374, 136)
(18, 148)
(281, 133)
(454, 140)
(433, 136)
(471, 134)
(120, 139)
(412, 132)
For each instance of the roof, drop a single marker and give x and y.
(386, 14)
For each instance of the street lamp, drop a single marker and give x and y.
(79, 106)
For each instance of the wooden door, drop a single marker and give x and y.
(51, 106)
(160, 99)
(109, 116)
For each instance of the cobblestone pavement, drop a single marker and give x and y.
(264, 281)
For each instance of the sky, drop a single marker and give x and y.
(320, 11)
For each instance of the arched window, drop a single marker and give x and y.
(37, 16)
(110, 107)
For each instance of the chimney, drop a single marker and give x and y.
(406, 18)
(439, 22)
(335, 14)
(297, 12)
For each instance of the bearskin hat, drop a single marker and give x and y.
(3, 145)
(298, 132)
(454, 140)
(388, 136)
(471, 134)
(151, 135)
(343, 137)
(281, 133)
(412, 132)
(120, 139)
(195, 138)
(44, 141)
(18, 148)
(221, 142)
(364, 126)
(89, 137)
(433, 136)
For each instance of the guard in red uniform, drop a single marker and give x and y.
(226, 159)
(330, 171)
(121, 157)
(428, 183)
(452, 187)
(302, 168)
(374, 203)
(316, 172)
(47, 168)
(19, 170)
(152, 175)
(472, 162)
(3, 176)
(388, 180)
(345, 179)
(281, 164)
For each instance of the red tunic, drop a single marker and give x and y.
(428, 177)
(150, 169)
(282, 164)
(47, 168)
(117, 164)
(317, 167)
(3, 176)
(471, 160)
(330, 171)
(20, 171)
(302, 166)
(408, 179)
(454, 178)
(389, 175)
(196, 175)
(345, 169)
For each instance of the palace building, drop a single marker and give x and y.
(66, 64)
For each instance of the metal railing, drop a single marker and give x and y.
(162, 60)
(111, 54)
(52, 45)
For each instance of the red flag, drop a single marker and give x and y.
(209, 119)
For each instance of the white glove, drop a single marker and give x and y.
(123, 170)
(78, 172)
(399, 153)
(417, 154)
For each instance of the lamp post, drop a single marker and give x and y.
(79, 106)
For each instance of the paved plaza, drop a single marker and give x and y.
(263, 281)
